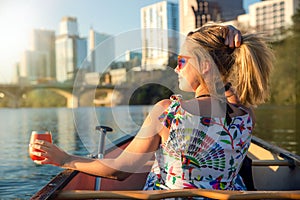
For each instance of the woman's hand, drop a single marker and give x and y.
(53, 154)
(233, 37)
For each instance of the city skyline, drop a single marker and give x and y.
(18, 18)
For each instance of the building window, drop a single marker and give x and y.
(274, 8)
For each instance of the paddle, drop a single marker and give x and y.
(102, 132)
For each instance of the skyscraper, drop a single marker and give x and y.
(101, 50)
(160, 28)
(68, 26)
(195, 13)
(38, 63)
(71, 50)
(44, 41)
(273, 17)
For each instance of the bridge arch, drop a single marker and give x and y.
(40, 97)
(88, 95)
(10, 99)
(107, 97)
(72, 101)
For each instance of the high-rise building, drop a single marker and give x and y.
(44, 41)
(68, 26)
(81, 51)
(195, 13)
(273, 17)
(101, 50)
(38, 63)
(71, 50)
(160, 28)
(130, 55)
(247, 3)
(35, 63)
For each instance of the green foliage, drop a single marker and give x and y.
(285, 81)
(43, 98)
(4, 102)
(149, 94)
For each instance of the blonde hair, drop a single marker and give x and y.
(247, 67)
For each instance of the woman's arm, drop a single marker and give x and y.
(136, 154)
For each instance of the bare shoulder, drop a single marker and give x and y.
(159, 108)
(152, 126)
(163, 104)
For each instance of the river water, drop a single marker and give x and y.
(73, 130)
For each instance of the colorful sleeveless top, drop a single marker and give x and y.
(200, 152)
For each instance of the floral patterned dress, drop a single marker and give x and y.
(201, 152)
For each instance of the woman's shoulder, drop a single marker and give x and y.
(162, 105)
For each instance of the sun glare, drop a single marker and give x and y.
(15, 24)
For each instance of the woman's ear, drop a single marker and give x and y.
(206, 66)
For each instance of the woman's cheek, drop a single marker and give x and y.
(184, 85)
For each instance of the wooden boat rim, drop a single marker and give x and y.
(161, 194)
(293, 159)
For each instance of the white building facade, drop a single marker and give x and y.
(272, 17)
(101, 51)
(71, 50)
(38, 63)
(195, 13)
(160, 26)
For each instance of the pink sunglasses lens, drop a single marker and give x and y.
(181, 62)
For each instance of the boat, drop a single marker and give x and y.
(270, 173)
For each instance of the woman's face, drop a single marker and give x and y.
(188, 76)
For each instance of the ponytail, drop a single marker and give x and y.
(252, 68)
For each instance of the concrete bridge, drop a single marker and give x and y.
(83, 95)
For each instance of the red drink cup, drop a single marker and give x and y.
(40, 135)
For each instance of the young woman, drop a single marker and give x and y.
(201, 142)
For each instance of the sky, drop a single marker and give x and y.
(19, 17)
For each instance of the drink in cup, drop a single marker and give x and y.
(40, 135)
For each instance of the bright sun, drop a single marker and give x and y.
(15, 25)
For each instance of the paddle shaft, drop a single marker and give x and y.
(100, 155)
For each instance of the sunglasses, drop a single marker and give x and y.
(181, 61)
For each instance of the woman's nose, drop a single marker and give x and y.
(177, 70)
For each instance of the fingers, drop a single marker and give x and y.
(42, 162)
(238, 39)
(42, 142)
(48, 152)
(40, 148)
(40, 145)
(39, 162)
(39, 154)
(227, 41)
(45, 160)
(233, 38)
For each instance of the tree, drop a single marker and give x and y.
(285, 81)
